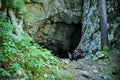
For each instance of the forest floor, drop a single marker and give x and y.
(102, 69)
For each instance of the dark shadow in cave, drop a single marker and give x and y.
(72, 36)
(75, 38)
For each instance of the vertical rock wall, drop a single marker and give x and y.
(61, 24)
(90, 41)
(91, 34)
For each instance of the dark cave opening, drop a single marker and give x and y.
(65, 38)
(74, 39)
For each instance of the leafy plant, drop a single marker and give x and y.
(25, 58)
(15, 4)
(4, 72)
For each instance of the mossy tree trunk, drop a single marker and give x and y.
(104, 26)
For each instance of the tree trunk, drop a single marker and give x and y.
(2, 5)
(19, 25)
(104, 27)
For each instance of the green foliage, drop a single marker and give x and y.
(118, 19)
(116, 24)
(116, 27)
(8, 47)
(107, 54)
(25, 59)
(109, 73)
(106, 48)
(4, 72)
(15, 4)
(26, 19)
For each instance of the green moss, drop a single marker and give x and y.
(106, 48)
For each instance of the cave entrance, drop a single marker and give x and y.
(74, 39)
(63, 38)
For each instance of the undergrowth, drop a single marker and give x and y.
(25, 59)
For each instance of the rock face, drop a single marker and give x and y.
(91, 34)
(56, 24)
(65, 25)
(90, 41)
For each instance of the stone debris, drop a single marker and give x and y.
(88, 69)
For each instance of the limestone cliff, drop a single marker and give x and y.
(65, 25)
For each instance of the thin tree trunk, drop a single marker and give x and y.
(104, 27)
(2, 5)
(19, 26)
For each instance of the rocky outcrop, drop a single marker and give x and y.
(63, 25)
(56, 24)
(90, 41)
(59, 10)
(91, 34)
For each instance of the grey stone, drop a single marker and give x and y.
(99, 55)
(51, 23)
(95, 71)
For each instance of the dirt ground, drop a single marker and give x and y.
(102, 69)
